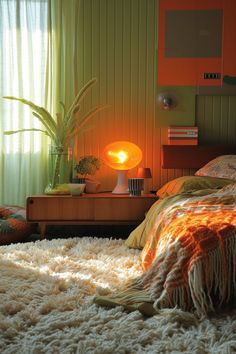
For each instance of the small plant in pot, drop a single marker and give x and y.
(88, 166)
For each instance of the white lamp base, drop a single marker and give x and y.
(122, 184)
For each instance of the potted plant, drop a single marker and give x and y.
(61, 130)
(88, 166)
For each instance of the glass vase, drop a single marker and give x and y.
(59, 169)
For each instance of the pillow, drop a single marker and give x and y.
(13, 225)
(222, 167)
(186, 184)
(139, 236)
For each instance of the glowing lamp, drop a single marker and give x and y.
(122, 156)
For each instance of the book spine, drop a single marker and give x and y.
(183, 135)
(183, 141)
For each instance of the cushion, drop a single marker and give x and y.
(222, 167)
(187, 184)
(13, 225)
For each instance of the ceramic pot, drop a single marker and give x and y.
(92, 186)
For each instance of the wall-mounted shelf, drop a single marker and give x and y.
(192, 156)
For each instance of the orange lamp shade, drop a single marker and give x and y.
(144, 172)
(122, 155)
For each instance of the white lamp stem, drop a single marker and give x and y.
(122, 184)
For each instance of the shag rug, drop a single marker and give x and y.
(46, 304)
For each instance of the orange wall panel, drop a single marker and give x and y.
(189, 71)
(229, 41)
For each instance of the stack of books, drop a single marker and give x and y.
(178, 135)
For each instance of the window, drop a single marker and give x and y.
(24, 40)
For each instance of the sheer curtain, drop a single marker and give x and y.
(37, 62)
(23, 59)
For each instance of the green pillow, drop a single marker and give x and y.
(187, 184)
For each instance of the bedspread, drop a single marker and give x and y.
(189, 259)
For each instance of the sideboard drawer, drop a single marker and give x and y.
(123, 209)
(58, 209)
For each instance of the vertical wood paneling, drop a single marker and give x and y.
(142, 79)
(232, 119)
(134, 69)
(118, 47)
(126, 49)
(151, 155)
(118, 69)
(95, 64)
(216, 119)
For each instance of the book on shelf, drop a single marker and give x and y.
(182, 135)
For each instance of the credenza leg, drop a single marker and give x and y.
(42, 228)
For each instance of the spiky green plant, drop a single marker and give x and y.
(65, 127)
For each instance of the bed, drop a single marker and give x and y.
(188, 242)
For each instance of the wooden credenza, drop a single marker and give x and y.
(101, 208)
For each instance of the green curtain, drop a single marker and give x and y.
(38, 61)
(62, 52)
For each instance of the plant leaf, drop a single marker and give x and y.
(46, 118)
(81, 131)
(74, 129)
(10, 132)
(76, 109)
(61, 131)
(63, 105)
(79, 98)
(49, 131)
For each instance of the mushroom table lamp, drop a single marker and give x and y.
(122, 156)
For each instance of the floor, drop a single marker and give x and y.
(64, 231)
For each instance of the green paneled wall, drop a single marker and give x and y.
(216, 119)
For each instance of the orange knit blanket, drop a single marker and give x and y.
(191, 263)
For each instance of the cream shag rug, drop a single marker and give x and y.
(46, 292)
